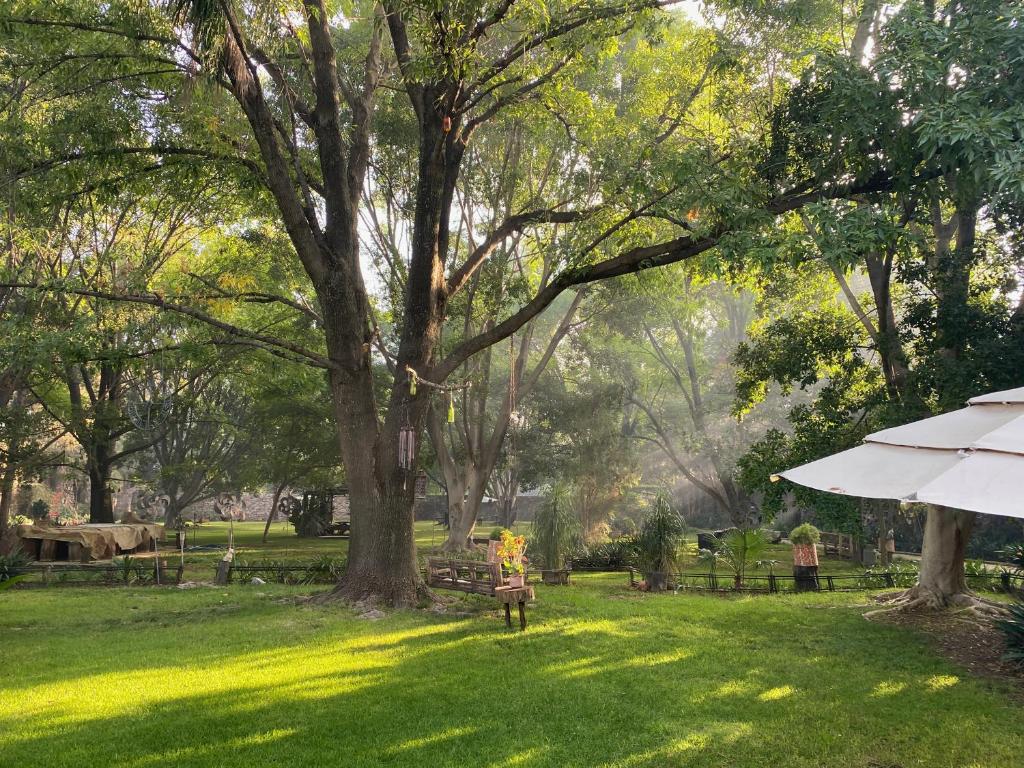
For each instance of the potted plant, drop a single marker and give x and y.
(555, 530)
(804, 539)
(662, 535)
(511, 551)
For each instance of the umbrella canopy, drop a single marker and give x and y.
(969, 459)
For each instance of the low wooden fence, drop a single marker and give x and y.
(1001, 581)
(134, 573)
(154, 572)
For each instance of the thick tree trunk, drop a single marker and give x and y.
(172, 516)
(101, 506)
(6, 498)
(462, 516)
(946, 532)
(382, 563)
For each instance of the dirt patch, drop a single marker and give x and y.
(969, 642)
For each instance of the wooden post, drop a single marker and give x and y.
(522, 614)
(508, 615)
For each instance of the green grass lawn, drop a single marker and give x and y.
(244, 676)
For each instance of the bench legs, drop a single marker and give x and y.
(522, 615)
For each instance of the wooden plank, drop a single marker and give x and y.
(47, 549)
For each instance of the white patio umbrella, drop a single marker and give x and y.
(970, 459)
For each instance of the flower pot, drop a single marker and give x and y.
(657, 581)
(555, 577)
(805, 555)
(516, 581)
(805, 578)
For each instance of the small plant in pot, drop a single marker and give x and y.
(511, 551)
(662, 535)
(555, 531)
(804, 539)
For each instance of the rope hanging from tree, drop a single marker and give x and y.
(407, 433)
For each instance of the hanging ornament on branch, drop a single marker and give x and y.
(407, 447)
(448, 389)
(150, 400)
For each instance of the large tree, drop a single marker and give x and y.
(940, 315)
(306, 82)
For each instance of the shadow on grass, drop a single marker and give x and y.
(594, 682)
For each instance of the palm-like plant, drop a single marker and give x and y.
(555, 528)
(662, 535)
(740, 549)
(1012, 628)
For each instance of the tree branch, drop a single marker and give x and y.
(155, 300)
(508, 227)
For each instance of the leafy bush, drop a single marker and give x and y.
(662, 535)
(495, 534)
(324, 570)
(1015, 554)
(39, 510)
(1012, 628)
(612, 555)
(904, 574)
(805, 534)
(555, 529)
(129, 570)
(13, 564)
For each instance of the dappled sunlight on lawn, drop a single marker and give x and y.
(888, 688)
(939, 682)
(434, 738)
(715, 733)
(776, 693)
(242, 678)
(176, 755)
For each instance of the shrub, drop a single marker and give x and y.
(324, 570)
(1015, 554)
(612, 555)
(662, 535)
(39, 510)
(741, 549)
(495, 534)
(1012, 628)
(903, 572)
(805, 534)
(13, 564)
(555, 529)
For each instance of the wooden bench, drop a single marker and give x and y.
(479, 578)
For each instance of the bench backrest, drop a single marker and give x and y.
(464, 575)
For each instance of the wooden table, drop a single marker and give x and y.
(518, 595)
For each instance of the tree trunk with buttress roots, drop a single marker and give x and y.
(941, 580)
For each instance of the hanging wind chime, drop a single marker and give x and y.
(407, 433)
